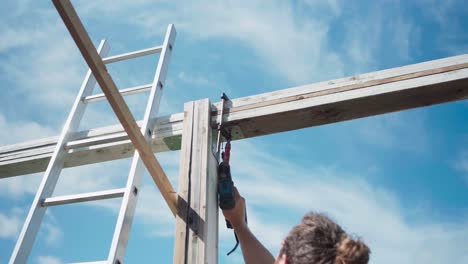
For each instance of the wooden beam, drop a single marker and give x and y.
(196, 239)
(97, 66)
(374, 93)
(180, 247)
(95, 145)
(380, 92)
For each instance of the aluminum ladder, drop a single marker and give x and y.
(129, 193)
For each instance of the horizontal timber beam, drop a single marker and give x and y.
(375, 93)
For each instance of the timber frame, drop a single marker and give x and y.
(195, 205)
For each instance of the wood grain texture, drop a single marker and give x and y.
(95, 63)
(197, 218)
(342, 106)
(183, 201)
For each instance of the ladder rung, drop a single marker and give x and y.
(83, 197)
(126, 91)
(133, 54)
(95, 140)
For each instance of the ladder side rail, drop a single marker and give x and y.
(127, 209)
(36, 213)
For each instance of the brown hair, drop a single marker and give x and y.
(319, 240)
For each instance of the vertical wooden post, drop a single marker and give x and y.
(196, 239)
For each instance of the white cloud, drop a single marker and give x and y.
(12, 131)
(41, 60)
(54, 234)
(48, 67)
(91, 178)
(17, 187)
(449, 17)
(362, 40)
(405, 33)
(290, 44)
(461, 164)
(440, 11)
(194, 79)
(17, 38)
(292, 47)
(48, 260)
(52, 229)
(370, 36)
(403, 130)
(269, 232)
(9, 225)
(153, 212)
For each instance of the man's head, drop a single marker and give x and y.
(319, 240)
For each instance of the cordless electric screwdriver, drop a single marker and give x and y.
(225, 184)
(226, 197)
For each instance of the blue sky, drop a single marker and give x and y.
(400, 180)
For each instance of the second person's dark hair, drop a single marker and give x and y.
(319, 240)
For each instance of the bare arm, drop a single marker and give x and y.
(252, 250)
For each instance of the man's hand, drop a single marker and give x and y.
(254, 252)
(236, 215)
